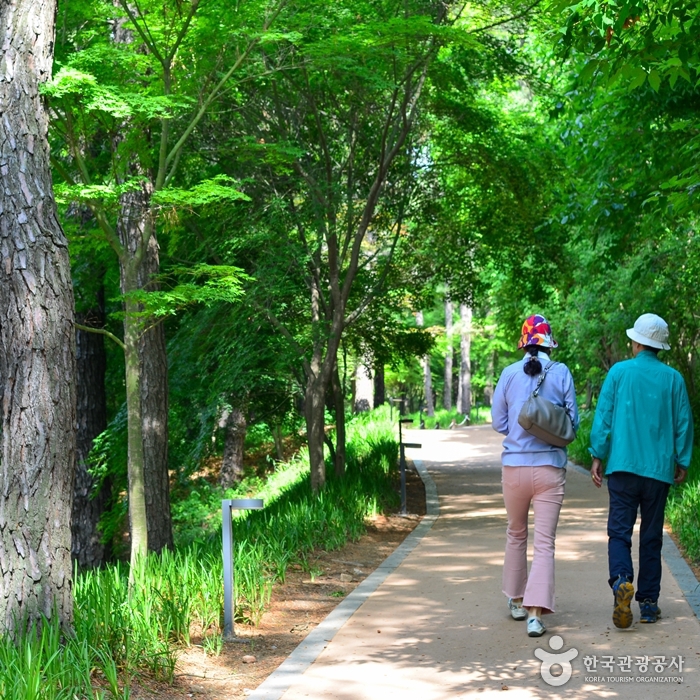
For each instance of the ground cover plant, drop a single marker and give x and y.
(122, 632)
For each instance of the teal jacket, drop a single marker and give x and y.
(643, 423)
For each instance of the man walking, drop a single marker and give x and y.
(643, 425)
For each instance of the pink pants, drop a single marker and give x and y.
(544, 487)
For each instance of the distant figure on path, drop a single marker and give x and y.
(644, 427)
(533, 472)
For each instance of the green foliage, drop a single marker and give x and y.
(683, 511)
(217, 283)
(578, 449)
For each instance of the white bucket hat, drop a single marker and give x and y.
(650, 330)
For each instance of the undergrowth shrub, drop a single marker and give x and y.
(683, 510)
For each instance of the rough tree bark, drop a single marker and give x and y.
(464, 391)
(447, 393)
(235, 426)
(87, 548)
(37, 340)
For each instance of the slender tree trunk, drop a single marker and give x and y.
(314, 410)
(140, 260)
(364, 388)
(88, 507)
(379, 386)
(447, 393)
(464, 393)
(339, 406)
(136, 487)
(488, 388)
(427, 376)
(234, 441)
(276, 431)
(37, 338)
(154, 416)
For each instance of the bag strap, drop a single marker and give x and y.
(542, 377)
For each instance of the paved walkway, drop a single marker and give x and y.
(432, 623)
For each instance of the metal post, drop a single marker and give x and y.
(402, 463)
(227, 505)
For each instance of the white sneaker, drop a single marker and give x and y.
(517, 611)
(535, 628)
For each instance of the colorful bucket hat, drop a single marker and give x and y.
(537, 331)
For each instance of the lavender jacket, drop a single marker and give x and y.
(520, 449)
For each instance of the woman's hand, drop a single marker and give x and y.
(597, 472)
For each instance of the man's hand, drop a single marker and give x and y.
(680, 475)
(597, 472)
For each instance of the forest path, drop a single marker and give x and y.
(434, 623)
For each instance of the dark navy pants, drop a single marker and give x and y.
(629, 493)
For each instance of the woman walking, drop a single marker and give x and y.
(533, 472)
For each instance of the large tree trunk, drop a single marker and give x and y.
(464, 392)
(235, 426)
(447, 393)
(88, 507)
(427, 376)
(141, 260)
(37, 338)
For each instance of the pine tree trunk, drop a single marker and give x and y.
(37, 338)
(447, 393)
(87, 548)
(464, 397)
(141, 261)
(234, 441)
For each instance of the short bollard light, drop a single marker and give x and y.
(402, 463)
(227, 505)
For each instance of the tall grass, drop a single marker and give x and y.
(444, 418)
(683, 510)
(122, 632)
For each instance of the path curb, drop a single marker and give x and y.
(276, 684)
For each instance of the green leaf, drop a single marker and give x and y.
(655, 80)
(638, 79)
